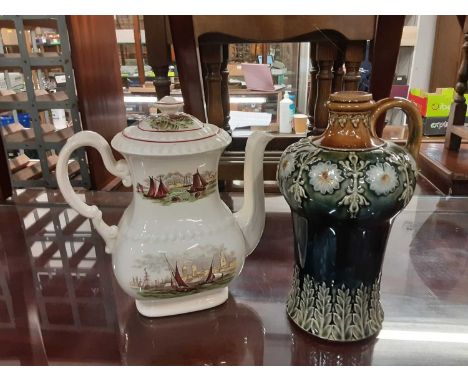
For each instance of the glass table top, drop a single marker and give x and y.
(60, 304)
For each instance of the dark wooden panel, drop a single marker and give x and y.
(157, 40)
(386, 46)
(138, 50)
(159, 52)
(446, 54)
(186, 52)
(284, 28)
(456, 130)
(326, 54)
(98, 82)
(212, 58)
(355, 53)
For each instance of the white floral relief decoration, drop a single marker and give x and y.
(335, 313)
(304, 160)
(287, 165)
(404, 166)
(288, 158)
(354, 169)
(325, 177)
(382, 178)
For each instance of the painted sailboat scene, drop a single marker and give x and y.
(167, 275)
(177, 187)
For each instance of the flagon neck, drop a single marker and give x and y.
(349, 122)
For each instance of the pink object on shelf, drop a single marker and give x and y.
(258, 77)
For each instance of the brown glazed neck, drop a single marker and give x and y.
(349, 122)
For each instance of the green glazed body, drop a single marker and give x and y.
(343, 204)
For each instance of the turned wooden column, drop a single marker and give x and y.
(212, 57)
(338, 73)
(225, 87)
(354, 55)
(138, 50)
(456, 129)
(188, 65)
(313, 83)
(325, 56)
(159, 52)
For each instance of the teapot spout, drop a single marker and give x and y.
(251, 217)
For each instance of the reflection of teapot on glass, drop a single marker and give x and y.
(177, 246)
(229, 335)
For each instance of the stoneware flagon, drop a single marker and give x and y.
(177, 245)
(344, 189)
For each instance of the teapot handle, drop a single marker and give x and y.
(414, 121)
(117, 168)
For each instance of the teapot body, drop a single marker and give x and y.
(177, 246)
(177, 239)
(344, 189)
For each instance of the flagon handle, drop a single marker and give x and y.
(117, 168)
(414, 120)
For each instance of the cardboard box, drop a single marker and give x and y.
(436, 126)
(9, 36)
(433, 104)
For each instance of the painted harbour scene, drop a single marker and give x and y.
(177, 187)
(166, 275)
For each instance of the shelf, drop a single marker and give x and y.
(46, 59)
(13, 97)
(32, 22)
(7, 22)
(14, 61)
(58, 100)
(18, 137)
(10, 61)
(18, 163)
(33, 170)
(73, 168)
(57, 138)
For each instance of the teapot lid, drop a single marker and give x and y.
(171, 132)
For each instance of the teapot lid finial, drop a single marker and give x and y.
(168, 105)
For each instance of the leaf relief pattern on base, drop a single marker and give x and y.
(335, 313)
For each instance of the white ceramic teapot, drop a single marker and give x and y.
(177, 245)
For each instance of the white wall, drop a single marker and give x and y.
(422, 59)
(304, 62)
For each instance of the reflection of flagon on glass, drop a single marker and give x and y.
(177, 187)
(184, 276)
